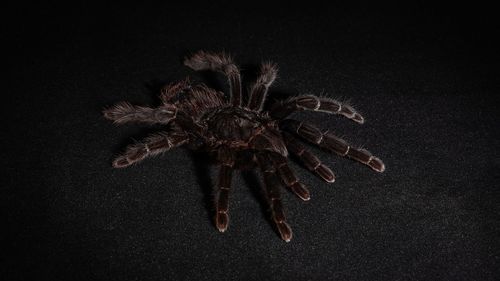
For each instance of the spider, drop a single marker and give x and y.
(240, 134)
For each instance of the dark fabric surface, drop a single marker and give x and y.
(424, 78)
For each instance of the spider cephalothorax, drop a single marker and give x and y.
(237, 131)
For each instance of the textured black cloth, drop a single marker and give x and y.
(424, 78)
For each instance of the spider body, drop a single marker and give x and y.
(240, 134)
(232, 124)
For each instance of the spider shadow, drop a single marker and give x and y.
(256, 189)
(202, 163)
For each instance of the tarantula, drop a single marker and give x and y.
(240, 134)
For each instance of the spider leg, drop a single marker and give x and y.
(272, 183)
(226, 157)
(332, 143)
(314, 103)
(171, 90)
(258, 92)
(124, 112)
(309, 159)
(288, 177)
(269, 139)
(151, 146)
(221, 63)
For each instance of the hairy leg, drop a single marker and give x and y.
(221, 63)
(152, 145)
(272, 183)
(269, 139)
(310, 160)
(171, 90)
(124, 112)
(226, 158)
(332, 143)
(314, 103)
(288, 177)
(258, 92)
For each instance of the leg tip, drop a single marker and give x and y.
(222, 221)
(303, 194)
(285, 231)
(121, 162)
(301, 191)
(331, 180)
(377, 164)
(358, 118)
(325, 173)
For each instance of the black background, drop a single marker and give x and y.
(424, 77)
